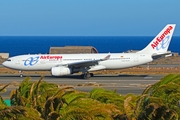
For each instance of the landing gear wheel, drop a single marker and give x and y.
(92, 75)
(86, 76)
(21, 75)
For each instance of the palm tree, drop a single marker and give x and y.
(163, 95)
(1, 90)
(107, 96)
(33, 94)
(19, 113)
(49, 101)
(87, 108)
(130, 105)
(175, 78)
(55, 102)
(126, 104)
(153, 108)
(16, 112)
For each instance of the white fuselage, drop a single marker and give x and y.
(47, 61)
(66, 64)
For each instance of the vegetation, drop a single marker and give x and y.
(41, 100)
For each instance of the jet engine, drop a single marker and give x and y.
(60, 71)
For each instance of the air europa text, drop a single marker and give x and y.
(159, 39)
(51, 57)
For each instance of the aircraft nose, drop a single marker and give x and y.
(4, 64)
(7, 63)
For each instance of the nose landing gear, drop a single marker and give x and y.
(20, 73)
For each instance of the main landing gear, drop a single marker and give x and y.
(87, 75)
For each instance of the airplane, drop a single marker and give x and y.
(67, 64)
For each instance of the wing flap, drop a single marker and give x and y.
(88, 62)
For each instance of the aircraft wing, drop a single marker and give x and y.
(87, 63)
(163, 55)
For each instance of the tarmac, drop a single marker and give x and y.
(123, 84)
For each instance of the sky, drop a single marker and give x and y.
(87, 17)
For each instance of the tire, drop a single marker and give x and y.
(86, 76)
(21, 75)
(92, 75)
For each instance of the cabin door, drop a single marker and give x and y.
(136, 58)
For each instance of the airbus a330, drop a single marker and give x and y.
(66, 64)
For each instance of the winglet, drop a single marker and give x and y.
(161, 42)
(106, 58)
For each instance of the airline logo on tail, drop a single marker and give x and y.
(163, 38)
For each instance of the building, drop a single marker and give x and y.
(4, 55)
(72, 50)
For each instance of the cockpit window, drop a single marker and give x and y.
(8, 60)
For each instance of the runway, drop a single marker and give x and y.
(123, 84)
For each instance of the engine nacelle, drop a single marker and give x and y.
(60, 71)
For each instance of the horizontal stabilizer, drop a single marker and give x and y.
(163, 55)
